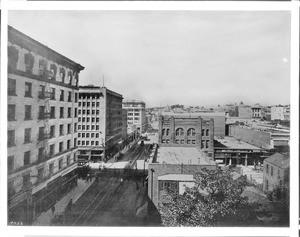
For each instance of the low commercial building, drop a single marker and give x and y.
(280, 112)
(175, 168)
(276, 172)
(100, 122)
(42, 126)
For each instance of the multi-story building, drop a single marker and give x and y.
(136, 115)
(42, 123)
(280, 112)
(276, 172)
(124, 124)
(99, 122)
(245, 112)
(256, 111)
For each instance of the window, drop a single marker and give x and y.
(168, 132)
(97, 104)
(62, 95)
(68, 159)
(267, 168)
(79, 127)
(191, 132)
(27, 135)
(75, 127)
(83, 119)
(79, 111)
(87, 135)
(97, 143)
(11, 113)
(52, 149)
(26, 181)
(78, 143)
(61, 112)
(75, 142)
(68, 144)
(61, 146)
(83, 103)
(83, 143)
(69, 128)
(10, 163)
(202, 144)
(92, 134)
(179, 132)
(69, 96)
(88, 127)
(83, 134)
(41, 92)
(87, 143)
(79, 104)
(40, 175)
(61, 130)
(40, 153)
(76, 97)
(52, 93)
(75, 112)
(51, 168)
(97, 135)
(79, 134)
(69, 112)
(52, 131)
(88, 104)
(271, 170)
(207, 132)
(41, 112)
(11, 138)
(93, 127)
(207, 144)
(83, 111)
(28, 89)
(93, 112)
(41, 133)
(97, 127)
(11, 87)
(97, 111)
(88, 119)
(26, 158)
(93, 120)
(93, 104)
(79, 119)
(97, 120)
(52, 113)
(27, 112)
(92, 143)
(60, 164)
(163, 132)
(88, 112)
(83, 127)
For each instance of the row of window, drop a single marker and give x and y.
(42, 93)
(133, 114)
(29, 60)
(180, 132)
(88, 127)
(87, 143)
(88, 104)
(204, 143)
(88, 112)
(87, 135)
(42, 114)
(93, 119)
(28, 157)
(42, 135)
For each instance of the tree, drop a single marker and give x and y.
(214, 199)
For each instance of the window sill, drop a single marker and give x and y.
(28, 96)
(26, 119)
(27, 142)
(12, 95)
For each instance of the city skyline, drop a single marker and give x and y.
(181, 57)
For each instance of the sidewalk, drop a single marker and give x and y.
(45, 218)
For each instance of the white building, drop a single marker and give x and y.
(136, 115)
(280, 112)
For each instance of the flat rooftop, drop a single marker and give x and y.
(182, 155)
(233, 143)
(196, 114)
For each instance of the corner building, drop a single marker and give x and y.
(136, 115)
(100, 124)
(42, 126)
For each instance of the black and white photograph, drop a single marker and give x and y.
(148, 118)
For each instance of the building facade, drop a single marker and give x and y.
(181, 130)
(42, 126)
(100, 122)
(136, 115)
(276, 172)
(256, 112)
(280, 113)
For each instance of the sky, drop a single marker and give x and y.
(197, 58)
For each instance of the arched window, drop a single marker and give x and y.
(13, 56)
(191, 132)
(53, 71)
(202, 132)
(62, 73)
(168, 132)
(163, 132)
(70, 78)
(29, 62)
(207, 132)
(42, 66)
(179, 132)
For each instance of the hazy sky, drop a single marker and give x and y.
(173, 57)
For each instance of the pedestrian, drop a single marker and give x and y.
(91, 178)
(87, 178)
(53, 209)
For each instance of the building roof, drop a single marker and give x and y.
(182, 155)
(97, 89)
(177, 177)
(279, 160)
(196, 114)
(19, 38)
(233, 143)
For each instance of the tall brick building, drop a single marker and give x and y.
(42, 126)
